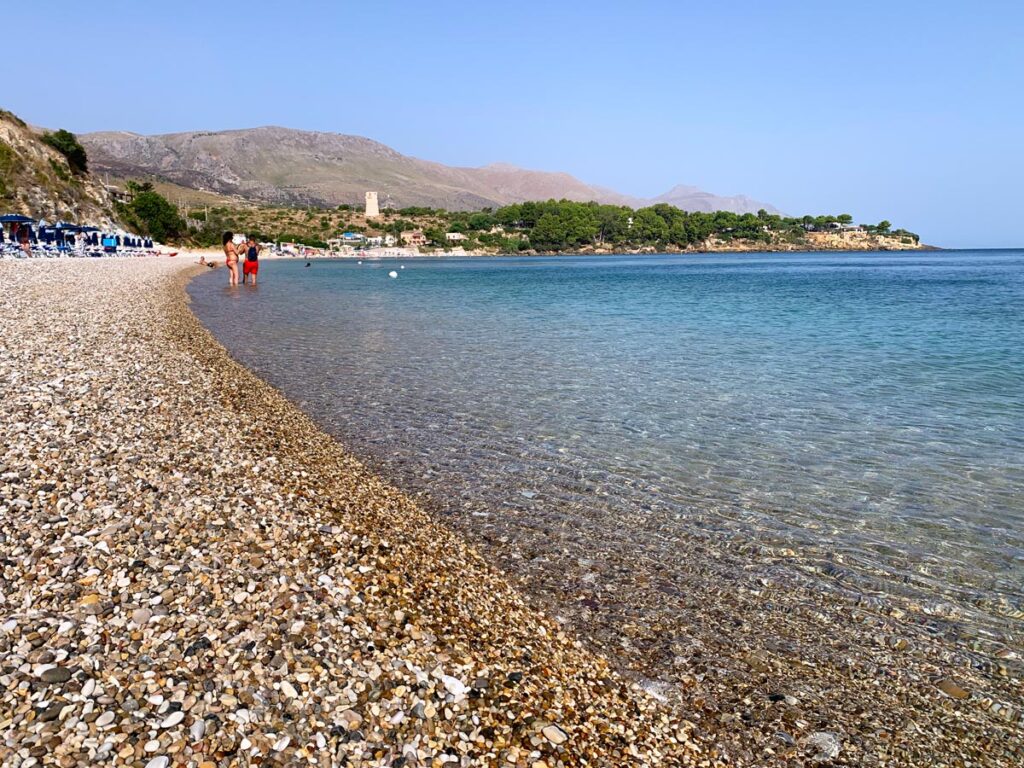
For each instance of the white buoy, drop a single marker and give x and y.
(360, 261)
(392, 273)
(403, 266)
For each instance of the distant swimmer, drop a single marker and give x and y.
(309, 264)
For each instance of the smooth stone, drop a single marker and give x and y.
(51, 713)
(173, 719)
(159, 762)
(554, 734)
(288, 689)
(197, 730)
(105, 719)
(141, 615)
(454, 686)
(152, 746)
(56, 675)
(950, 688)
(282, 744)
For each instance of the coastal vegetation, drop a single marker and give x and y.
(68, 145)
(150, 213)
(535, 227)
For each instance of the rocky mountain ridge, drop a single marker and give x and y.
(283, 166)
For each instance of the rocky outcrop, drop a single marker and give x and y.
(36, 180)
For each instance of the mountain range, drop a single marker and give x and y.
(282, 166)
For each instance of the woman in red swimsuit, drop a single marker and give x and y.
(231, 257)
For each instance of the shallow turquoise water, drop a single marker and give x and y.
(868, 408)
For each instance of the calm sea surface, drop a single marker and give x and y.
(865, 411)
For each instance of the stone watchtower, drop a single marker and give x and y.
(372, 209)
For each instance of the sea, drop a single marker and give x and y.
(607, 429)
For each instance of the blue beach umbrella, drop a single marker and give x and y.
(15, 218)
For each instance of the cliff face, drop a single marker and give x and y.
(36, 180)
(281, 166)
(861, 241)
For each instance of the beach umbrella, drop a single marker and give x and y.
(15, 218)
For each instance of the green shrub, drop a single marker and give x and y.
(67, 144)
(151, 214)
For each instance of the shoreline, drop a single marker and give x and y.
(343, 576)
(766, 639)
(206, 578)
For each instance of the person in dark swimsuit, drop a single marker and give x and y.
(251, 265)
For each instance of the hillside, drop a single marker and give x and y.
(281, 166)
(37, 181)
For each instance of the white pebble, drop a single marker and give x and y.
(173, 719)
(105, 719)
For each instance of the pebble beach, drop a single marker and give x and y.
(193, 574)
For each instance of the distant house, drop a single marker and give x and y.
(389, 240)
(414, 237)
(375, 241)
(353, 237)
(119, 195)
(455, 237)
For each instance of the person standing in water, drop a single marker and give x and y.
(252, 260)
(231, 257)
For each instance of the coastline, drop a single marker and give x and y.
(195, 572)
(122, 402)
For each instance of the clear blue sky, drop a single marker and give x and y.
(905, 110)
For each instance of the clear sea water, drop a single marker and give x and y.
(859, 409)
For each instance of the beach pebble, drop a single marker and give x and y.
(950, 688)
(554, 734)
(173, 719)
(104, 719)
(56, 675)
(454, 686)
(827, 746)
(159, 762)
